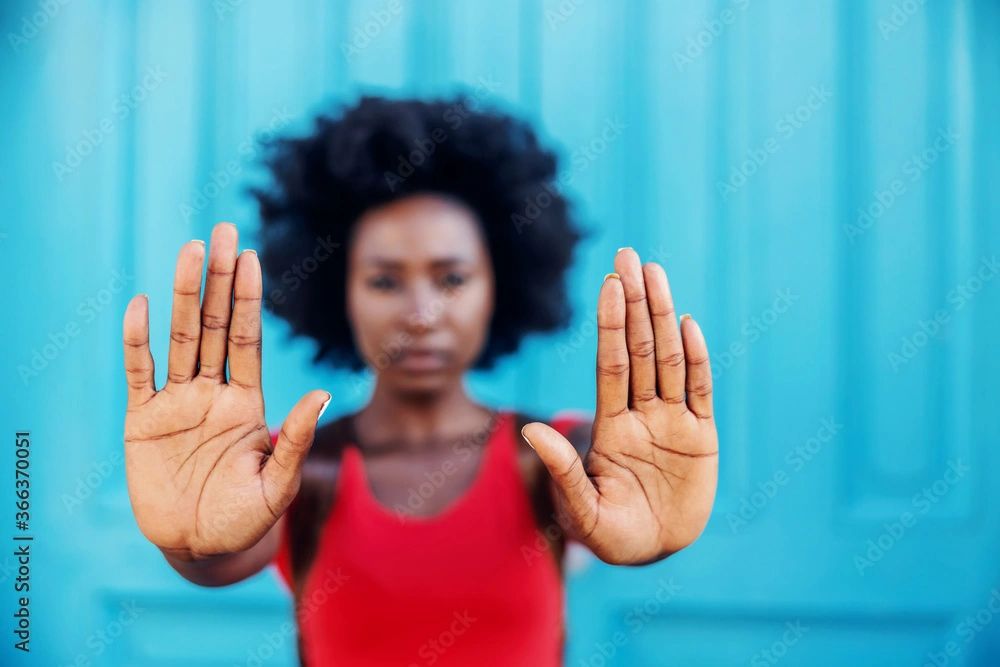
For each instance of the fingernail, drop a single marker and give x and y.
(325, 404)
(199, 241)
(249, 250)
(526, 437)
(685, 316)
(628, 247)
(612, 275)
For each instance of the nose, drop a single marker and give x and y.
(423, 309)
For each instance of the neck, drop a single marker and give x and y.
(413, 421)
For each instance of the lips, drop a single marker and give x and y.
(423, 360)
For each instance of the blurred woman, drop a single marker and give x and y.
(420, 240)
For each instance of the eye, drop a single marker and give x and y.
(453, 280)
(383, 283)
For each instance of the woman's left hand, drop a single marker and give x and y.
(646, 486)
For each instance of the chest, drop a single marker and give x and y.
(430, 483)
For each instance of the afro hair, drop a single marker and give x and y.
(380, 150)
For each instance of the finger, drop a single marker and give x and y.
(185, 321)
(216, 308)
(612, 351)
(282, 472)
(699, 372)
(638, 328)
(578, 494)
(669, 348)
(244, 330)
(138, 360)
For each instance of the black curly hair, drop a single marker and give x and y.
(380, 150)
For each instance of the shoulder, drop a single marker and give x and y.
(562, 420)
(320, 476)
(322, 463)
(331, 441)
(574, 425)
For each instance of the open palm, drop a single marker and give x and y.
(646, 487)
(203, 477)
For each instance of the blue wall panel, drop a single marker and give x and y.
(818, 180)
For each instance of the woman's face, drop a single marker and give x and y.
(420, 292)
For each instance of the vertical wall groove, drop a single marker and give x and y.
(854, 266)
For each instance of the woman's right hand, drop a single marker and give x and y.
(203, 477)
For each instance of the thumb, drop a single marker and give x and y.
(282, 471)
(576, 494)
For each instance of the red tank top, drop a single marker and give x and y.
(463, 587)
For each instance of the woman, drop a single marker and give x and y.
(420, 240)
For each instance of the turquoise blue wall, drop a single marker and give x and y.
(818, 178)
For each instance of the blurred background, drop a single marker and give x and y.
(819, 180)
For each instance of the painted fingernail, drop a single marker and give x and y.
(612, 275)
(326, 403)
(526, 437)
(685, 316)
